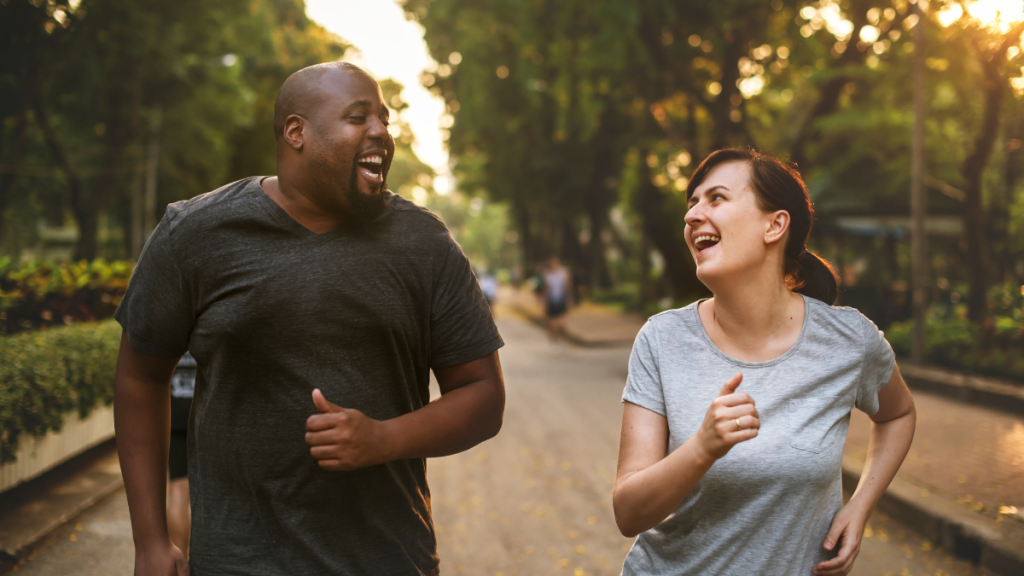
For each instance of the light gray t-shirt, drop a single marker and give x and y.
(765, 507)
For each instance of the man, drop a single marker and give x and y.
(315, 304)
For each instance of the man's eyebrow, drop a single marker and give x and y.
(357, 104)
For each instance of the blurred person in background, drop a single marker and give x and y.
(179, 512)
(316, 303)
(558, 299)
(736, 408)
(489, 287)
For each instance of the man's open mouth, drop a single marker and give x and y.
(705, 241)
(371, 166)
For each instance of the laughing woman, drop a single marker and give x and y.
(713, 482)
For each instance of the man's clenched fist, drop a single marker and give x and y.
(345, 439)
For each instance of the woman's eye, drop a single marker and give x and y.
(359, 118)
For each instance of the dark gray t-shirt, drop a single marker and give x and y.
(765, 507)
(270, 311)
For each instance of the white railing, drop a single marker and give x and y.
(36, 455)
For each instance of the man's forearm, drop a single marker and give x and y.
(457, 421)
(142, 423)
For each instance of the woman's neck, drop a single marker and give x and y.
(755, 320)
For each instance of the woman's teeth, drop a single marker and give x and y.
(705, 241)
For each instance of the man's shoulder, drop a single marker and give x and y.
(416, 220)
(211, 206)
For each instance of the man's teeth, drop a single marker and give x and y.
(372, 160)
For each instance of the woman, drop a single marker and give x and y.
(737, 407)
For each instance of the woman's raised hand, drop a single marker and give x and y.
(731, 419)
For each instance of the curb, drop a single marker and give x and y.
(997, 546)
(987, 392)
(14, 551)
(31, 512)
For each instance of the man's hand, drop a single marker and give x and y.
(731, 419)
(848, 524)
(164, 560)
(345, 439)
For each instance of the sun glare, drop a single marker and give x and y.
(998, 15)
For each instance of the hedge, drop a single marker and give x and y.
(47, 374)
(994, 346)
(38, 295)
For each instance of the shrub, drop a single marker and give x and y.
(990, 347)
(44, 375)
(41, 294)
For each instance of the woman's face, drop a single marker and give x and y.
(726, 230)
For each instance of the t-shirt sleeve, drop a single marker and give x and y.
(461, 326)
(876, 367)
(643, 385)
(157, 310)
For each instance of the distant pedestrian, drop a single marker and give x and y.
(316, 303)
(558, 299)
(711, 482)
(489, 286)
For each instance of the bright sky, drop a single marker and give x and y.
(391, 47)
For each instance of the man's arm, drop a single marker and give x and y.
(142, 414)
(468, 412)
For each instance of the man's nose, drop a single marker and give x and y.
(378, 130)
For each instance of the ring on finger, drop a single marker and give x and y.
(738, 425)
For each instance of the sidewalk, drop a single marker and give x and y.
(966, 465)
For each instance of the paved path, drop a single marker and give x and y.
(534, 501)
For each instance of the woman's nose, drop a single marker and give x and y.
(694, 215)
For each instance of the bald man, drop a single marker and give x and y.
(315, 304)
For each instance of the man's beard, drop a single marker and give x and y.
(361, 208)
(364, 208)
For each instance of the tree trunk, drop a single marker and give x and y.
(121, 131)
(9, 179)
(973, 169)
(663, 231)
(53, 142)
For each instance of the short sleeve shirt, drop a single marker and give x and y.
(766, 506)
(270, 311)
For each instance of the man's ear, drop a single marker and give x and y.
(295, 127)
(777, 224)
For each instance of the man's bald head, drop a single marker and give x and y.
(301, 93)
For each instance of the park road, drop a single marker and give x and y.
(534, 501)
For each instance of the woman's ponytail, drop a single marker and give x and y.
(816, 278)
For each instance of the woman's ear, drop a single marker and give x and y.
(776, 226)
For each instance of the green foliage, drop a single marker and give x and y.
(111, 77)
(480, 227)
(991, 347)
(45, 375)
(38, 295)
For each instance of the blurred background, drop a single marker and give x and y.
(542, 128)
(538, 128)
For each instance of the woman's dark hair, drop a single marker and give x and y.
(778, 186)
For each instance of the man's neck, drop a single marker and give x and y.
(307, 213)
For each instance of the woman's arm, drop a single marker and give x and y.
(892, 431)
(649, 484)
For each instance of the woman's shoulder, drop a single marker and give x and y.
(677, 322)
(842, 319)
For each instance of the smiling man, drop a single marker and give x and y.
(315, 303)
